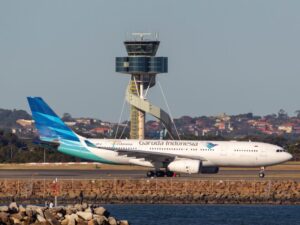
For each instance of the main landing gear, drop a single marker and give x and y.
(160, 173)
(262, 172)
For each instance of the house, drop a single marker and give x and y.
(25, 123)
(286, 127)
(101, 130)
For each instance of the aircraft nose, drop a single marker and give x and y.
(286, 156)
(289, 156)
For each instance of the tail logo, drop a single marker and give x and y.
(211, 145)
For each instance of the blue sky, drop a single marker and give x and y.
(224, 56)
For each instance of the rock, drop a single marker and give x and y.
(22, 209)
(17, 216)
(71, 219)
(84, 206)
(32, 207)
(112, 221)
(57, 209)
(81, 222)
(15, 220)
(85, 215)
(3, 208)
(78, 207)
(40, 218)
(13, 207)
(65, 222)
(124, 222)
(4, 217)
(40, 212)
(29, 212)
(69, 210)
(93, 222)
(101, 219)
(51, 218)
(59, 215)
(88, 210)
(101, 211)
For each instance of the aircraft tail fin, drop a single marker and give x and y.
(50, 127)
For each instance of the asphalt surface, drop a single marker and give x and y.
(234, 174)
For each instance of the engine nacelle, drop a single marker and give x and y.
(185, 166)
(191, 166)
(209, 169)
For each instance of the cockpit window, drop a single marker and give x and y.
(280, 150)
(90, 144)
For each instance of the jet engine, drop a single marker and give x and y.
(191, 166)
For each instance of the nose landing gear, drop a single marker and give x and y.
(262, 172)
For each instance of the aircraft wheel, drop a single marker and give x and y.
(150, 173)
(160, 173)
(261, 174)
(170, 174)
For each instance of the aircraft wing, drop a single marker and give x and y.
(153, 155)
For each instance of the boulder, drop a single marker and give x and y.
(40, 218)
(112, 221)
(84, 205)
(71, 219)
(69, 210)
(40, 212)
(3, 217)
(101, 219)
(78, 207)
(13, 207)
(32, 207)
(22, 209)
(85, 215)
(124, 222)
(81, 222)
(59, 215)
(88, 210)
(101, 211)
(57, 209)
(15, 220)
(51, 218)
(29, 212)
(93, 222)
(3, 208)
(17, 215)
(65, 222)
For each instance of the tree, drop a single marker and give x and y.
(67, 117)
(282, 114)
(297, 112)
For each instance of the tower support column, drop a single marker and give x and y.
(141, 132)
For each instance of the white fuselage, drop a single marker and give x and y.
(210, 153)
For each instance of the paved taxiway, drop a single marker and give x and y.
(226, 174)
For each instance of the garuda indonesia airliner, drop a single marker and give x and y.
(165, 156)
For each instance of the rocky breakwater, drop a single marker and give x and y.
(80, 214)
(171, 191)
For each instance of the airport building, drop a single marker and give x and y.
(142, 65)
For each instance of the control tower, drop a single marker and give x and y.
(143, 66)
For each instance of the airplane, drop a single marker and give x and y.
(167, 157)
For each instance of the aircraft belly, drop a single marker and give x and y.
(110, 156)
